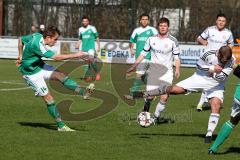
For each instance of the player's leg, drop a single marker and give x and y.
(215, 103)
(229, 125)
(96, 70)
(138, 81)
(67, 82)
(201, 102)
(40, 88)
(160, 106)
(52, 110)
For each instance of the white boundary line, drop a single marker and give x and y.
(13, 89)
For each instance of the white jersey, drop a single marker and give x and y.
(202, 80)
(217, 38)
(163, 50)
(209, 59)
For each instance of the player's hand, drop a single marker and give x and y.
(217, 68)
(130, 70)
(18, 61)
(132, 51)
(98, 50)
(177, 74)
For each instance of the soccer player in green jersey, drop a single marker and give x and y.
(228, 126)
(35, 71)
(87, 36)
(138, 38)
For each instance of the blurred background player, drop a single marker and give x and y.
(87, 36)
(213, 38)
(33, 28)
(35, 71)
(138, 38)
(212, 72)
(164, 49)
(234, 118)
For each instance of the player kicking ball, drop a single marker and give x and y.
(35, 71)
(228, 126)
(213, 68)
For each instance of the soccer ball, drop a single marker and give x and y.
(144, 119)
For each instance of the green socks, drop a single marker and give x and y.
(222, 136)
(52, 109)
(136, 86)
(94, 66)
(71, 84)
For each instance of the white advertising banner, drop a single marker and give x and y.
(111, 51)
(190, 54)
(8, 48)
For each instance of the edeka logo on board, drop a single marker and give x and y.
(103, 54)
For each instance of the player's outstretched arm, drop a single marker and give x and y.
(133, 67)
(69, 56)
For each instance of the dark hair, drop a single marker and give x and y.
(51, 31)
(143, 15)
(164, 20)
(224, 54)
(221, 15)
(85, 17)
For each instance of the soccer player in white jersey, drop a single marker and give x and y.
(138, 38)
(213, 38)
(164, 49)
(213, 68)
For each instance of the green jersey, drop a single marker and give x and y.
(88, 36)
(140, 36)
(34, 50)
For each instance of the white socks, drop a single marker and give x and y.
(159, 108)
(202, 99)
(212, 123)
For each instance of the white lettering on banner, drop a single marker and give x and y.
(120, 54)
(111, 51)
(190, 54)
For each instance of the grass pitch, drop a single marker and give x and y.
(28, 132)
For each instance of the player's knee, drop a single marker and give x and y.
(48, 98)
(59, 76)
(175, 90)
(164, 98)
(215, 102)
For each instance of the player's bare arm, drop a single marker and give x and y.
(77, 46)
(132, 49)
(20, 51)
(177, 69)
(202, 41)
(133, 67)
(69, 56)
(98, 44)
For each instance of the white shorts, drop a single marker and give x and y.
(209, 86)
(37, 81)
(158, 76)
(143, 67)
